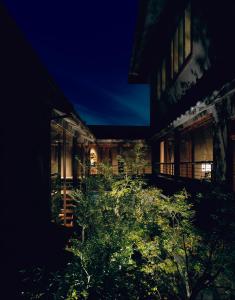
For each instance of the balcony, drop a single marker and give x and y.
(202, 170)
(166, 168)
(197, 170)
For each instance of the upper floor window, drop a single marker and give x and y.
(181, 47)
(181, 44)
(187, 30)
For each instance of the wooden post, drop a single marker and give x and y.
(75, 162)
(176, 153)
(192, 154)
(64, 174)
(59, 157)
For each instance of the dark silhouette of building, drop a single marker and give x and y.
(35, 118)
(184, 50)
(45, 151)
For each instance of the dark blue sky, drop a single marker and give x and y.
(86, 47)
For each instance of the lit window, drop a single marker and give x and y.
(181, 47)
(187, 21)
(93, 157)
(206, 167)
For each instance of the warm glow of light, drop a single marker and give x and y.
(206, 167)
(93, 156)
(162, 158)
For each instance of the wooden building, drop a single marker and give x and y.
(70, 151)
(114, 143)
(184, 50)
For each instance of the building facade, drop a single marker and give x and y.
(70, 152)
(79, 151)
(185, 54)
(119, 146)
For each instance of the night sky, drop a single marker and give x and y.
(86, 46)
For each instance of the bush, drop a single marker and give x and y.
(136, 243)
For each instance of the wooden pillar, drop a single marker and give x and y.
(193, 154)
(59, 157)
(155, 157)
(80, 160)
(86, 160)
(64, 174)
(176, 153)
(75, 162)
(220, 146)
(83, 160)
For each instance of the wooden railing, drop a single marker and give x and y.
(118, 169)
(61, 188)
(166, 168)
(61, 202)
(194, 170)
(197, 170)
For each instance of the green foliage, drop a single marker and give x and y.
(135, 243)
(138, 244)
(134, 161)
